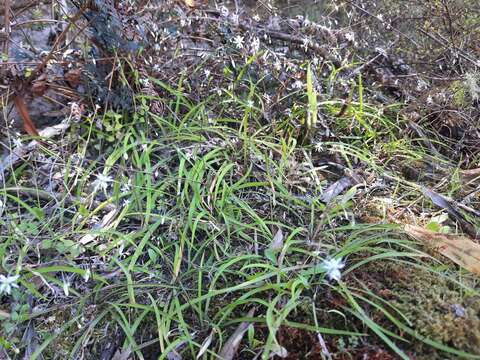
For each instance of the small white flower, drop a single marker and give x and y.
(102, 182)
(17, 142)
(350, 36)
(319, 147)
(87, 275)
(7, 283)
(238, 41)
(145, 82)
(255, 46)
(207, 73)
(126, 187)
(306, 44)
(332, 268)
(298, 84)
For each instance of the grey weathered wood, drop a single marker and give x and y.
(19, 4)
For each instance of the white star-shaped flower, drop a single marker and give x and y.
(332, 268)
(102, 182)
(238, 41)
(7, 283)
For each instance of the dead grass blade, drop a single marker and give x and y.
(469, 176)
(460, 249)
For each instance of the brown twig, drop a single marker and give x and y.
(28, 124)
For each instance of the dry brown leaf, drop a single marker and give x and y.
(105, 223)
(190, 3)
(460, 249)
(230, 348)
(336, 189)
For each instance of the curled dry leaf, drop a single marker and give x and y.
(460, 249)
(277, 242)
(28, 124)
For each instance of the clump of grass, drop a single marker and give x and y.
(160, 233)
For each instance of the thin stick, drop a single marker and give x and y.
(7, 28)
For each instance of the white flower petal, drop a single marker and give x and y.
(4, 288)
